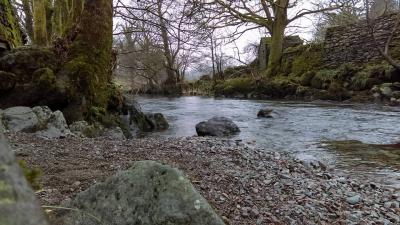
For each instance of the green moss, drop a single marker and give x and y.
(44, 78)
(6, 193)
(323, 78)
(306, 78)
(241, 85)
(9, 27)
(310, 58)
(32, 175)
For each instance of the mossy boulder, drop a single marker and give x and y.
(279, 87)
(44, 78)
(7, 81)
(18, 204)
(240, 85)
(24, 61)
(306, 78)
(148, 193)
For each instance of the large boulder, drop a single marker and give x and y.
(20, 118)
(148, 194)
(158, 120)
(18, 205)
(217, 126)
(53, 124)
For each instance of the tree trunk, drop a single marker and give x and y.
(277, 38)
(27, 8)
(10, 31)
(275, 51)
(90, 56)
(40, 24)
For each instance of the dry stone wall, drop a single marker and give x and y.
(355, 44)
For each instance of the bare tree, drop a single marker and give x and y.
(174, 30)
(271, 15)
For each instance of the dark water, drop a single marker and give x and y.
(298, 128)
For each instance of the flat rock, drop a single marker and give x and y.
(20, 118)
(148, 193)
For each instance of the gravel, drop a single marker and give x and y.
(244, 184)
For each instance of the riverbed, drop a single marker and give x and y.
(301, 129)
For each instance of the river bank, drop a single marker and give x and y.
(245, 185)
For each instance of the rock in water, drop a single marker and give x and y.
(265, 113)
(148, 194)
(159, 121)
(217, 126)
(20, 119)
(18, 205)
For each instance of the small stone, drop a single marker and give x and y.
(354, 199)
(390, 205)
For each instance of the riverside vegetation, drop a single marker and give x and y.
(71, 134)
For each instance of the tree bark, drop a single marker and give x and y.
(90, 58)
(27, 7)
(10, 31)
(40, 24)
(277, 38)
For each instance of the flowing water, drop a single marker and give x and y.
(301, 129)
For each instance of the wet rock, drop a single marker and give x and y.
(265, 113)
(148, 193)
(158, 120)
(217, 126)
(18, 204)
(20, 118)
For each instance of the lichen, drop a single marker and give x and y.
(32, 175)
(9, 28)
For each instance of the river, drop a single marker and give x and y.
(298, 128)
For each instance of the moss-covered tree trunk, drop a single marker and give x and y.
(27, 8)
(89, 64)
(66, 15)
(277, 38)
(9, 27)
(40, 25)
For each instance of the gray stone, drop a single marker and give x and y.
(217, 126)
(78, 128)
(53, 124)
(20, 119)
(43, 113)
(354, 199)
(148, 193)
(18, 204)
(115, 133)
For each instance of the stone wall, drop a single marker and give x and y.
(355, 44)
